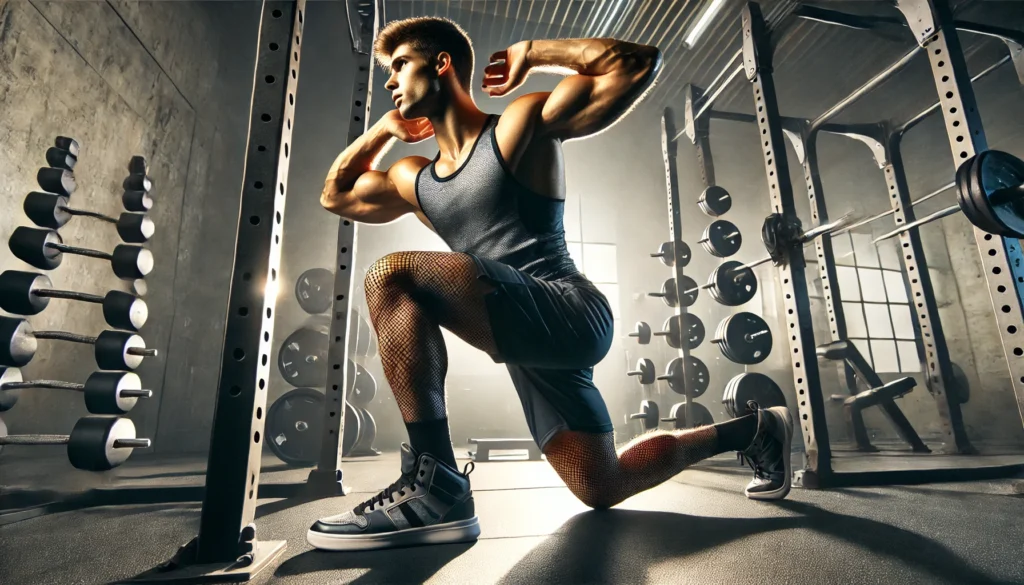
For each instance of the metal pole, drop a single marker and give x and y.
(914, 121)
(799, 334)
(226, 530)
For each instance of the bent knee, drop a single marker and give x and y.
(389, 271)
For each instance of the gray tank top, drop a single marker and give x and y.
(482, 209)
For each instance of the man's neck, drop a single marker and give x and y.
(457, 128)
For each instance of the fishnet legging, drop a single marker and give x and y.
(601, 477)
(411, 295)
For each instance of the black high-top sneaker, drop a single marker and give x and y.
(431, 503)
(769, 453)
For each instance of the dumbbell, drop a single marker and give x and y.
(642, 333)
(105, 392)
(51, 211)
(114, 350)
(96, 443)
(44, 249)
(137, 199)
(28, 293)
(137, 182)
(644, 371)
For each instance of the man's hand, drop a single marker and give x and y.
(508, 70)
(411, 131)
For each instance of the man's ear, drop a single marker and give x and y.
(443, 63)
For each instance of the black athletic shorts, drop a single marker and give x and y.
(550, 334)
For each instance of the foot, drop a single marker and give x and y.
(769, 453)
(431, 503)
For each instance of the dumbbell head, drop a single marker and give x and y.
(124, 311)
(100, 443)
(68, 144)
(60, 158)
(29, 246)
(137, 201)
(59, 181)
(105, 392)
(131, 262)
(137, 165)
(17, 343)
(135, 228)
(45, 210)
(16, 292)
(138, 182)
(8, 398)
(112, 350)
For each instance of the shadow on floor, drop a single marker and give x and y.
(620, 545)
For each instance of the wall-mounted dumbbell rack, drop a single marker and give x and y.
(934, 29)
(104, 439)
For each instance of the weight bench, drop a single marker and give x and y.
(878, 394)
(485, 446)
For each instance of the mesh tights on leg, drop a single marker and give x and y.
(601, 477)
(411, 295)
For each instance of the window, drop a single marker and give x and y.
(599, 263)
(875, 303)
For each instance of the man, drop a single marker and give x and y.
(495, 194)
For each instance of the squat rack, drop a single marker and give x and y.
(934, 29)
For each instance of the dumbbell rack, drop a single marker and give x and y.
(97, 443)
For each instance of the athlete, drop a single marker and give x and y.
(495, 194)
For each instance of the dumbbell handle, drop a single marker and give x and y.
(76, 338)
(85, 213)
(61, 385)
(66, 294)
(636, 373)
(80, 251)
(65, 439)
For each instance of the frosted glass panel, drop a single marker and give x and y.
(872, 288)
(884, 352)
(842, 250)
(865, 350)
(576, 253)
(909, 362)
(877, 317)
(894, 286)
(849, 290)
(888, 253)
(612, 292)
(854, 314)
(864, 250)
(600, 262)
(902, 321)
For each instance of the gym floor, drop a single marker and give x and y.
(697, 528)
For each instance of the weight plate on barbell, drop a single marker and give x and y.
(1000, 175)
(715, 201)
(367, 431)
(722, 238)
(302, 359)
(364, 390)
(744, 338)
(696, 376)
(353, 429)
(733, 283)
(314, 290)
(666, 253)
(294, 427)
(971, 197)
(701, 416)
(648, 415)
(753, 386)
(680, 330)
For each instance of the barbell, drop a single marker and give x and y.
(96, 443)
(990, 193)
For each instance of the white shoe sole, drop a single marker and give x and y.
(446, 533)
(787, 446)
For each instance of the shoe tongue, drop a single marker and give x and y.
(409, 456)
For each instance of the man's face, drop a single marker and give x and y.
(412, 82)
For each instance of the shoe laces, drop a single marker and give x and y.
(410, 480)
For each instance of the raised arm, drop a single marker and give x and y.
(355, 191)
(612, 77)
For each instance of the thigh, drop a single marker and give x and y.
(582, 459)
(559, 400)
(558, 324)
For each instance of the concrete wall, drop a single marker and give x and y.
(159, 79)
